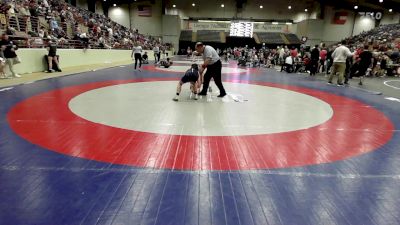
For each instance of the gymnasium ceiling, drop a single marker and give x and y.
(365, 4)
(340, 4)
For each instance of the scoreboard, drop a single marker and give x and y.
(241, 29)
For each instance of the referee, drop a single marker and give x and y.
(213, 64)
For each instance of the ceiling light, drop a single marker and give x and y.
(289, 7)
(174, 6)
(306, 10)
(193, 5)
(288, 23)
(275, 23)
(115, 5)
(390, 10)
(261, 6)
(380, 1)
(222, 5)
(356, 7)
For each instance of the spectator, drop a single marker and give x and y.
(156, 51)
(339, 62)
(314, 60)
(53, 57)
(329, 59)
(365, 61)
(9, 48)
(322, 59)
(41, 32)
(145, 58)
(2, 65)
(288, 66)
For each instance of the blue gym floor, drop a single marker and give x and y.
(40, 186)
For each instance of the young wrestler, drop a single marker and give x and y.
(165, 63)
(193, 76)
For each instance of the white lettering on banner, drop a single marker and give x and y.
(270, 28)
(372, 15)
(209, 26)
(258, 27)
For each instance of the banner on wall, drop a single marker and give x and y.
(282, 28)
(224, 26)
(340, 18)
(195, 26)
(144, 10)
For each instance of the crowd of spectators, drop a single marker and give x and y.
(384, 38)
(99, 31)
(382, 42)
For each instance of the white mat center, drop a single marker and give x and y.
(148, 107)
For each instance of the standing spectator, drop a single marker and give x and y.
(294, 52)
(156, 51)
(329, 60)
(137, 53)
(314, 60)
(164, 52)
(322, 58)
(52, 56)
(2, 65)
(9, 49)
(339, 62)
(214, 66)
(365, 58)
(383, 66)
(281, 56)
(351, 69)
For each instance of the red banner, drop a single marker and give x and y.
(340, 18)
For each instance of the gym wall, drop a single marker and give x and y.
(120, 14)
(32, 59)
(82, 4)
(127, 15)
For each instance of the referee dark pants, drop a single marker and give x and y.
(213, 71)
(138, 56)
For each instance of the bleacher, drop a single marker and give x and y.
(25, 24)
(270, 38)
(209, 36)
(293, 39)
(75, 32)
